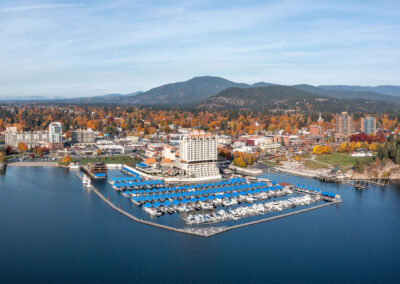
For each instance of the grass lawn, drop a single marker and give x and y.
(12, 156)
(110, 160)
(314, 165)
(343, 160)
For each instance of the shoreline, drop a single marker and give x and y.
(264, 167)
(33, 164)
(318, 176)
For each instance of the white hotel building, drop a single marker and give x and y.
(199, 155)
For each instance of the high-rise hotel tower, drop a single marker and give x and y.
(199, 155)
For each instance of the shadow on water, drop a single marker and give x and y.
(3, 171)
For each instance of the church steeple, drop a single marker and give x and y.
(320, 119)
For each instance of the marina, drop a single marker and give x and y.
(214, 207)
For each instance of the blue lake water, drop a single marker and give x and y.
(53, 230)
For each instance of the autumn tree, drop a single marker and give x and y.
(22, 147)
(3, 157)
(38, 150)
(66, 159)
(239, 162)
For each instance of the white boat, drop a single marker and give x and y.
(73, 166)
(86, 181)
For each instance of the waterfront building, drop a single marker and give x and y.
(199, 155)
(31, 138)
(368, 125)
(83, 136)
(55, 136)
(96, 170)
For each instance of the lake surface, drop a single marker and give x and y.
(53, 230)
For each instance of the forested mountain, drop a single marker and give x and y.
(198, 89)
(193, 90)
(347, 94)
(278, 97)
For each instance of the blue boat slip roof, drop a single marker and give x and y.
(328, 194)
(142, 165)
(198, 192)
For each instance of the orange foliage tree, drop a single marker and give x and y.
(67, 159)
(22, 147)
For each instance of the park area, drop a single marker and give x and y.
(109, 160)
(342, 160)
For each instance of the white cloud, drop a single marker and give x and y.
(37, 7)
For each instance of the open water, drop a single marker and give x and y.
(52, 230)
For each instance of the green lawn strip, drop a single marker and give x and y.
(314, 165)
(110, 160)
(342, 160)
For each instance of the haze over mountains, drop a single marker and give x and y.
(216, 92)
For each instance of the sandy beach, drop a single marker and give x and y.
(33, 164)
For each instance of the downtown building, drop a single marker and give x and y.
(344, 127)
(83, 136)
(368, 125)
(199, 155)
(55, 136)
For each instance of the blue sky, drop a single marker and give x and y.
(85, 48)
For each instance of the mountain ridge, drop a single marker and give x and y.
(198, 89)
(279, 97)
